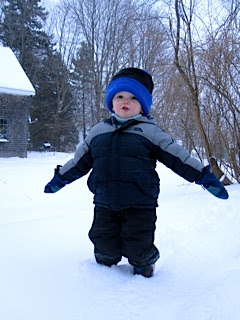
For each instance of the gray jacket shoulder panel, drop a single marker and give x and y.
(167, 144)
(84, 147)
(147, 128)
(162, 140)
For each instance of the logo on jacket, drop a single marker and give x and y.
(138, 129)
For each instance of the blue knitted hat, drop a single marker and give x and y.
(133, 80)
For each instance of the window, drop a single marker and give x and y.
(3, 130)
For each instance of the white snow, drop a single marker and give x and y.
(47, 267)
(13, 79)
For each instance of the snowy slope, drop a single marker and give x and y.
(47, 268)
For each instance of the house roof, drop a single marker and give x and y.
(13, 79)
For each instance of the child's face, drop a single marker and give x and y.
(125, 105)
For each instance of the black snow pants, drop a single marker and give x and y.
(128, 233)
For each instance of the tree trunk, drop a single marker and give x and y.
(190, 79)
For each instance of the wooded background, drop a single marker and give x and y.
(71, 50)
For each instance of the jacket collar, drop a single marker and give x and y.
(143, 119)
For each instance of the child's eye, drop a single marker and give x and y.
(119, 97)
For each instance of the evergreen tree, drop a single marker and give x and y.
(54, 107)
(21, 29)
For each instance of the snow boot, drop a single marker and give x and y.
(146, 272)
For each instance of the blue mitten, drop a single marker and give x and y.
(56, 183)
(211, 183)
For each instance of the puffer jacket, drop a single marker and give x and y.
(123, 161)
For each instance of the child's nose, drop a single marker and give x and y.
(126, 101)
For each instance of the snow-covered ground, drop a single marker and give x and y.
(47, 267)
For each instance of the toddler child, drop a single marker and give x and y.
(121, 153)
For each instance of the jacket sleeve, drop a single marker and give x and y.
(82, 161)
(72, 170)
(176, 157)
(76, 167)
(79, 165)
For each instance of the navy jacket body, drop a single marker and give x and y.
(123, 162)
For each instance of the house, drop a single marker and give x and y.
(15, 94)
